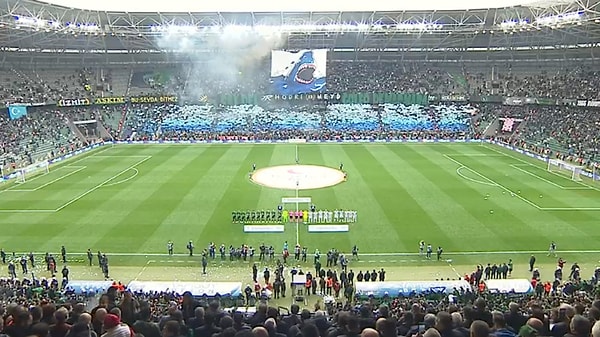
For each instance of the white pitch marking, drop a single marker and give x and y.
(479, 154)
(540, 178)
(68, 164)
(100, 185)
(142, 270)
(518, 167)
(124, 180)
(48, 183)
(124, 156)
(570, 208)
(528, 163)
(458, 171)
(27, 211)
(493, 182)
(59, 178)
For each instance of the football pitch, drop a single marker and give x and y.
(480, 202)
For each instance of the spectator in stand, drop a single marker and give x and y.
(60, 328)
(596, 329)
(144, 326)
(98, 321)
(443, 324)
(480, 329)
(20, 326)
(129, 308)
(171, 329)
(481, 312)
(514, 318)
(209, 328)
(579, 327)
(500, 329)
(196, 321)
(114, 327)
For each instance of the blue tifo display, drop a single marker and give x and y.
(285, 216)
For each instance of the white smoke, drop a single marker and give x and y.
(222, 59)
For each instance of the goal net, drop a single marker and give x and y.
(563, 167)
(36, 169)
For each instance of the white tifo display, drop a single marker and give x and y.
(27, 172)
(557, 165)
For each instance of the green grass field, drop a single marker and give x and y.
(129, 200)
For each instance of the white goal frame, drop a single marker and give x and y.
(561, 165)
(42, 167)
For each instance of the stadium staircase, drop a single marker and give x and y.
(122, 123)
(76, 131)
(517, 130)
(490, 130)
(102, 131)
(121, 79)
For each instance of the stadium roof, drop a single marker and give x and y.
(539, 29)
(186, 6)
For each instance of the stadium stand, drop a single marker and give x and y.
(566, 130)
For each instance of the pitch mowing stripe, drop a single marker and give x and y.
(532, 187)
(269, 198)
(539, 222)
(72, 186)
(394, 201)
(327, 198)
(372, 197)
(469, 199)
(505, 220)
(151, 214)
(239, 194)
(112, 178)
(554, 198)
(116, 204)
(190, 214)
(441, 196)
(108, 206)
(29, 229)
(536, 163)
(217, 179)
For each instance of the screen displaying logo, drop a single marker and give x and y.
(17, 111)
(299, 72)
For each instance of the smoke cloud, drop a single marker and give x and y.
(223, 60)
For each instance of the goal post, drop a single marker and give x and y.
(561, 166)
(35, 169)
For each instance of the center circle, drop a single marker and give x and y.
(301, 177)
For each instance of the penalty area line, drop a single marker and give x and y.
(27, 210)
(527, 201)
(101, 184)
(136, 172)
(532, 164)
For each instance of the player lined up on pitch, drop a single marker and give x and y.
(284, 216)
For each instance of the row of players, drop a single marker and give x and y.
(337, 216)
(276, 216)
(261, 216)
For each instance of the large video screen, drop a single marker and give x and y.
(300, 72)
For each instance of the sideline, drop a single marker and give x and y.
(466, 253)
